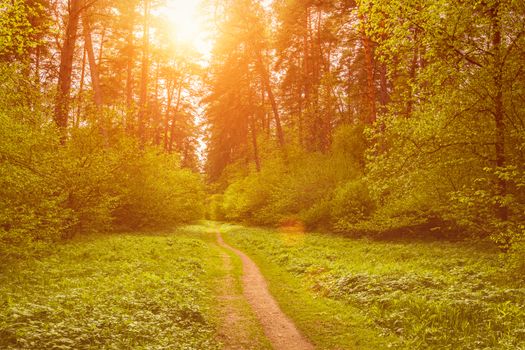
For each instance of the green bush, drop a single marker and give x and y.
(215, 210)
(31, 197)
(51, 189)
(352, 203)
(157, 192)
(476, 206)
(299, 185)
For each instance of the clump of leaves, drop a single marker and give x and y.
(110, 292)
(424, 295)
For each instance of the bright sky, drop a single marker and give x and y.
(188, 21)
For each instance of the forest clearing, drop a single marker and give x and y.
(262, 174)
(176, 290)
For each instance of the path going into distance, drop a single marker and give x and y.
(278, 328)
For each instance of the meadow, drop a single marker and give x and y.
(121, 291)
(358, 293)
(174, 290)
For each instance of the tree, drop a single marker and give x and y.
(66, 64)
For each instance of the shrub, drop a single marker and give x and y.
(51, 190)
(158, 192)
(352, 203)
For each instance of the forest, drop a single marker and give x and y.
(364, 159)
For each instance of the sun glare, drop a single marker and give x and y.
(186, 19)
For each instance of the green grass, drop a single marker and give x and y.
(125, 291)
(359, 294)
(248, 330)
(159, 291)
(252, 329)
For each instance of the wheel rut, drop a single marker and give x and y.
(278, 328)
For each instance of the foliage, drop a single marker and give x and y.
(300, 186)
(450, 147)
(352, 203)
(51, 190)
(421, 105)
(157, 193)
(419, 295)
(123, 291)
(22, 24)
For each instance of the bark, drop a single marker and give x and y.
(499, 113)
(177, 106)
(157, 114)
(170, 91)
(129, 79)
(95, 75)
(384, 96)
(369, 68)
(144, 76)
(37, 65)
(93, 67)
(101, 51)
(306, 56)
(76, 121)
(265, 75)
(253, 131)
(252, 125)
(66, 67)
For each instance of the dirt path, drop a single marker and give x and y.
(279, 329)
(232, 331)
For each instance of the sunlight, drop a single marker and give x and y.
(185, 17)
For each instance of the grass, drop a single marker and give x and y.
(160, 291)
(124, 291)
(359, 294)
(247, 329)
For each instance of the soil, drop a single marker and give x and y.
(278, 328)
(232, 332)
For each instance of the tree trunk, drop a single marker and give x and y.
(170, 91)
(76, 120)
(369, 68)
(66, 67)
(499, 112)
(93, 68)
(157, 112)
(384, 96)
(144, 76)
(252, 125)
(37, 64)
(265, 75)
(253, 131)
(177, 106)
(129, 80)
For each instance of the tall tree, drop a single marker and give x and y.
(66, 63)
(144, 76)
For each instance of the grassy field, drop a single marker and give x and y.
(125, 291)
(172, 290)
(359, 294)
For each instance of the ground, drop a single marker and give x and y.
(219, 286)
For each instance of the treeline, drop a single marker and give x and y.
(97, 121)
(370, 117)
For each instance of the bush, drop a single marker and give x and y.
(299, 185)
(352, 203)
(31, 200)
(215, 210)
(476, 207)
(158, 193)
(51, 190)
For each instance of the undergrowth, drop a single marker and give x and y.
(420, 295)
(110, 292)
